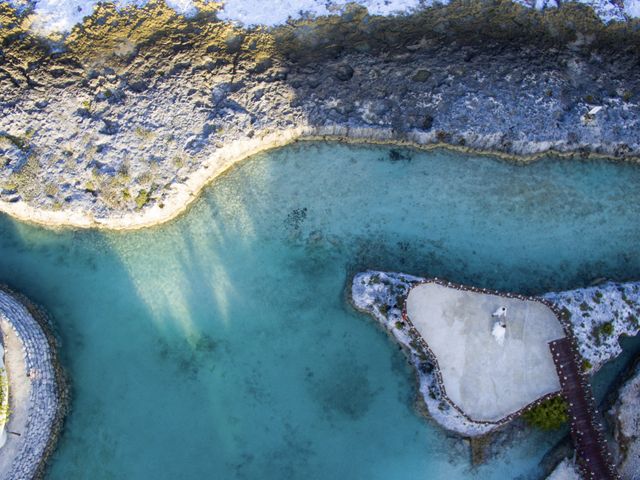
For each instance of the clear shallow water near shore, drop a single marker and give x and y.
(222, 344)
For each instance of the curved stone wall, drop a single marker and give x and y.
(46, 399)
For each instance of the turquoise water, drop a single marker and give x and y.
(222, 345)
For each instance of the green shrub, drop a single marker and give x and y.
(142, 199)
(565, 314)
(549, 415)
(4, 391)
(606, 328)
(600, 331)
(585, 365)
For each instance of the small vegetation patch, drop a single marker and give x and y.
(548, 415)
(4, 397)
(602, 331)
(606, 329)
(142, 199)
(21, 143)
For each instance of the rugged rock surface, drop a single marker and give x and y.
(600, 315)
(565, 470)
(625, 414)
(129, 115)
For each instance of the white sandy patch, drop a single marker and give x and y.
(488, 380)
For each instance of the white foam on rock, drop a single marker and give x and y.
(61, 15)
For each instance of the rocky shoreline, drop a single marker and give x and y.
(48, 398)
(121, 123)
(625, 416)
(382, 294)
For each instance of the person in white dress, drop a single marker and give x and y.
(500, 326)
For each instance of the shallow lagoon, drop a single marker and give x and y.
(223, 345)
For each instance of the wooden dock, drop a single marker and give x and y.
(593, 456)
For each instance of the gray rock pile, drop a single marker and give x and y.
(625, 414)
(46, 403)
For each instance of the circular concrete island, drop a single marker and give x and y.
(492, 350)
(34, 389)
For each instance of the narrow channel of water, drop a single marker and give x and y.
(222, 345)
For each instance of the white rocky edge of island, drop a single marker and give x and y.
(599, 316)
(45, 402)
(382, 294)
(565, 470)
(625, 416)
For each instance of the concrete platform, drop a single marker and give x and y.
(20, 389)
(488, 381)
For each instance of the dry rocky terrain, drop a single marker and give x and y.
(122, 121)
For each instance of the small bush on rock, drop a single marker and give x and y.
(142, 199)
(548, 415)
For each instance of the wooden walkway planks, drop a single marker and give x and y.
(586, 430)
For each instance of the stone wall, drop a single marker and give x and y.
(45, 402)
